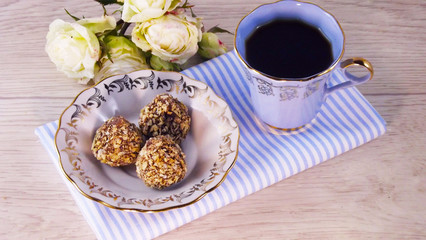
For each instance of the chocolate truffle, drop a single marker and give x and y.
(161, 162)
(117, 142)
(165, 115)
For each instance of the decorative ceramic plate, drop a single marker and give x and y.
(211, 145)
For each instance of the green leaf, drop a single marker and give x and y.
(185, 4)
(73, 17)
(192, 13)
(217, 29)
(109, 55)
(108, 2)
(105, 49)
(116, 11)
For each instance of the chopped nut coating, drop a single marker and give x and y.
(165, 115)
(161, 162)
(117, 142)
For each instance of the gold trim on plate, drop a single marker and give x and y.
(224, 143)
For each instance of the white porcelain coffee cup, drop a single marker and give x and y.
(289, 103)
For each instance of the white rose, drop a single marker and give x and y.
(125, 56)
(73, 49)
(171, 38)
(143, 10)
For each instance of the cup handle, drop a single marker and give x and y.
(352, 80)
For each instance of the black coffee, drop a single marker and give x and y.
(288, 49)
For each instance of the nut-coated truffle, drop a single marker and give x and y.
(165, 115)
(117, 142)
(161, 162)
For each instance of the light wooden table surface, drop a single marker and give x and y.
(376, 191)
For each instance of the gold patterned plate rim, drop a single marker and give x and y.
(97, 103)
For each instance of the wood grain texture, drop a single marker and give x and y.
(376, 191)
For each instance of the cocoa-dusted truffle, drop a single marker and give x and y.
(117, 142)
(165, 115)
(161, 162)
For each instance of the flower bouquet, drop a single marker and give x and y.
(163, 37)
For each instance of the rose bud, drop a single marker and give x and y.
(210, 46)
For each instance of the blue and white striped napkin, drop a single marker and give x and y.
(266, 156)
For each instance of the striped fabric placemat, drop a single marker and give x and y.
(266, 155)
